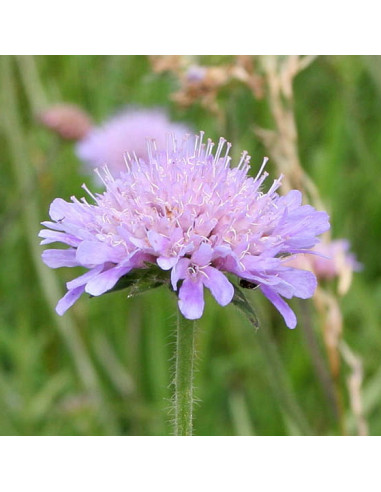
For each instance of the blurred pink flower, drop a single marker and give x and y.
(127, 131)
(67, 120)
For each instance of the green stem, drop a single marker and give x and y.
(184, 371)
(32, 83)
(280, 383)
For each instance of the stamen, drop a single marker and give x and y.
(154, 146)
(227, 158)
(203, 273)
(265, 161)
(136, 157)
(149, 149)
(227, 162)
(184, 146)
(174, 143)
(127, 160)
(275, 185)
(209, 148)
(200, 144)
(108, 173)
(100, 176)
(167, 144)
(88, 191)
(197, 138)
(243, 159)
(221, 144)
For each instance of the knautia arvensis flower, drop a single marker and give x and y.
(127, 131)
(194, 215)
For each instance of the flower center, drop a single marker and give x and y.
(195, 271)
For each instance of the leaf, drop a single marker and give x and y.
(240, 301)
(139, 281)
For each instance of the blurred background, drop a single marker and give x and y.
(105, 367)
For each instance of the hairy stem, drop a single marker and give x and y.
(184, 371)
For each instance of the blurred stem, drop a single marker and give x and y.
(240, 414)
(23, 174)
(184, 371)
(282, 142)
(32, 83)
(331, 321)
(354, 382)
(318, 362)
(280, 384)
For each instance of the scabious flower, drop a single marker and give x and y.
(189, 213)
(127, 131)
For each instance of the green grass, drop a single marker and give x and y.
(105, 367)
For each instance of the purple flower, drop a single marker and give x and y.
(190, 213)
(127, 131)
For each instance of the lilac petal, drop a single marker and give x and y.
(230, 263)
(57, 258)
(303, 282)
(139, 243)
(179, 271)
(293, 199)
(273, 280)
(220, 287)
(83, 279)
(59, 209)
(302, 226)
(56, 226)
(203, 255)
(221, 252)
(55, 236)
(69, 299)
(305, 252)
(105, 280)
(137, 259)
(281, 305)
(300, 242)
(186, 249)
(124, 234)
(91, 253)
(158, 242)
(289, 282)
(277, 284)
(320, 222)
(257, 264)
(191, 299)
(167, 263)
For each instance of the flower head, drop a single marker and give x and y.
(128, 131)
(193, 215)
